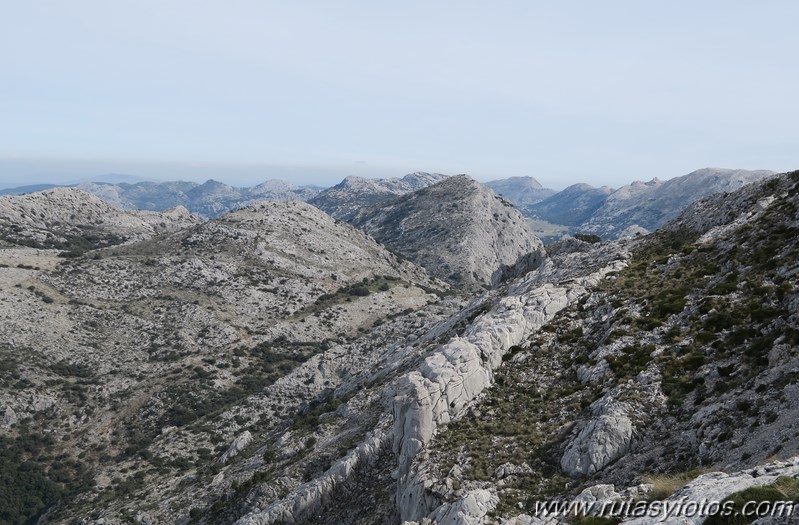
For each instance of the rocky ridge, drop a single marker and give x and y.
(344, 200)
(521, 191)
(680, 363)
(209, 199)
(639, 207)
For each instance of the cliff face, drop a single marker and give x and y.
(458, 230)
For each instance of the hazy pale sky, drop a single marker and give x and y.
(245, 90)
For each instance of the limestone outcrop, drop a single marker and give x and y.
(453, 376)
(603, 439)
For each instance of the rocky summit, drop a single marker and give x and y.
(430, 363)
(458, 229)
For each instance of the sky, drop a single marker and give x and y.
(311, 91)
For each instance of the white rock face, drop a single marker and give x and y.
(717, 485)
(471, 510)
(7, 417)
(604, 439)
(454, 375)
(311, 495)
(239, 444)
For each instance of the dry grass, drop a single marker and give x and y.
(664, 485)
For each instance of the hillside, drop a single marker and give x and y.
(129, 371)
(457, 229)
(69, 218)
(681, 363)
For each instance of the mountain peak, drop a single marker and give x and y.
(458, 229)
(521, 191)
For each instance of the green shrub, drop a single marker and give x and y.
(739, 499)
(360, 291)
(588, 237)
(595, 520)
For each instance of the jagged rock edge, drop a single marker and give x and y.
(485, 342)
(309, 496)
(456, 374)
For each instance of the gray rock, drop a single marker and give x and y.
(347, 198)
(716, 486)
(603, 439)
(458, 230)
(239, 444)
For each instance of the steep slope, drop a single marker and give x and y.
(521, 191)
(570, 207)
(71, 218)
(132, 375)
(457, 229)
(345, 199)
(683, 362)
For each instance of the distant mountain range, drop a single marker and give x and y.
(209, 199)
(521, 191)
(639, 207)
